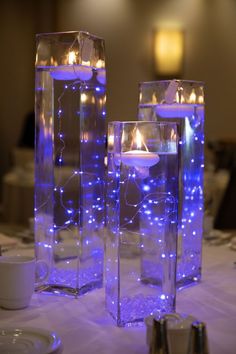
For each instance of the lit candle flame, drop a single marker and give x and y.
(200, 99)
(86, 62)
(179, 98)
(154, 99)
(71, 58)
(83, 97)
(140, 97)
(192, 97)
(123, 138)
(173, 135)
(138, 140)
(100, 64)
(111, 140)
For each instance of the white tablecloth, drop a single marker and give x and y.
(85, 327)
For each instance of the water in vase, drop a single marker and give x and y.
(69, 176)
(141, 230)
(190, 119)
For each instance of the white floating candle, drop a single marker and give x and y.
(139, 158)
(72, 72)
(175, 110)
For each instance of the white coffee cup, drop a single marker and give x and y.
(18, 275)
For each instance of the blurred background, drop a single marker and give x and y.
(209, 28)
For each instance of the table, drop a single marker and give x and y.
(85, 327)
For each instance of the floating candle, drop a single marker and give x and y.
(174, 110)
(139, 158)
(72, 72)
(177, 110)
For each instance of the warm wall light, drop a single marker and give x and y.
(168, 52)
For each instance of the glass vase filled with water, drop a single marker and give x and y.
(69, 160)
(182, 102)
(142, 204)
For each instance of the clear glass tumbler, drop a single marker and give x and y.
(142, 204)
(69, 160)
(183, 102)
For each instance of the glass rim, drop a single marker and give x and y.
(167, 81)
(42, 34)
(143, 122)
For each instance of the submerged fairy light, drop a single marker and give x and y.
(146, 188)
(61, 136)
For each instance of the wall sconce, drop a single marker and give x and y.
(168, 52)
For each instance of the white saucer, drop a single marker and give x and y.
(28, 340)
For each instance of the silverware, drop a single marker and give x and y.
(198, 343)
(159, 343)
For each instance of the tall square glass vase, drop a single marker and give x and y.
(69, 160)
(142, 195)
(183, 102)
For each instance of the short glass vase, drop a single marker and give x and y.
(142, 204)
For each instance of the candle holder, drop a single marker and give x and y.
(142, 194)
(69, 160)
(183, 102)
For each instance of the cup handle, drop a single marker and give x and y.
(41, 271)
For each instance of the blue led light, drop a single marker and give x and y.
(148, 212)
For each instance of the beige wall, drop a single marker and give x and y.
(16, 81)
(19, 21)
(126, 25)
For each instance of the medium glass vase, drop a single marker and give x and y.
(69, 160)
(183, 102)
(142, 199)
